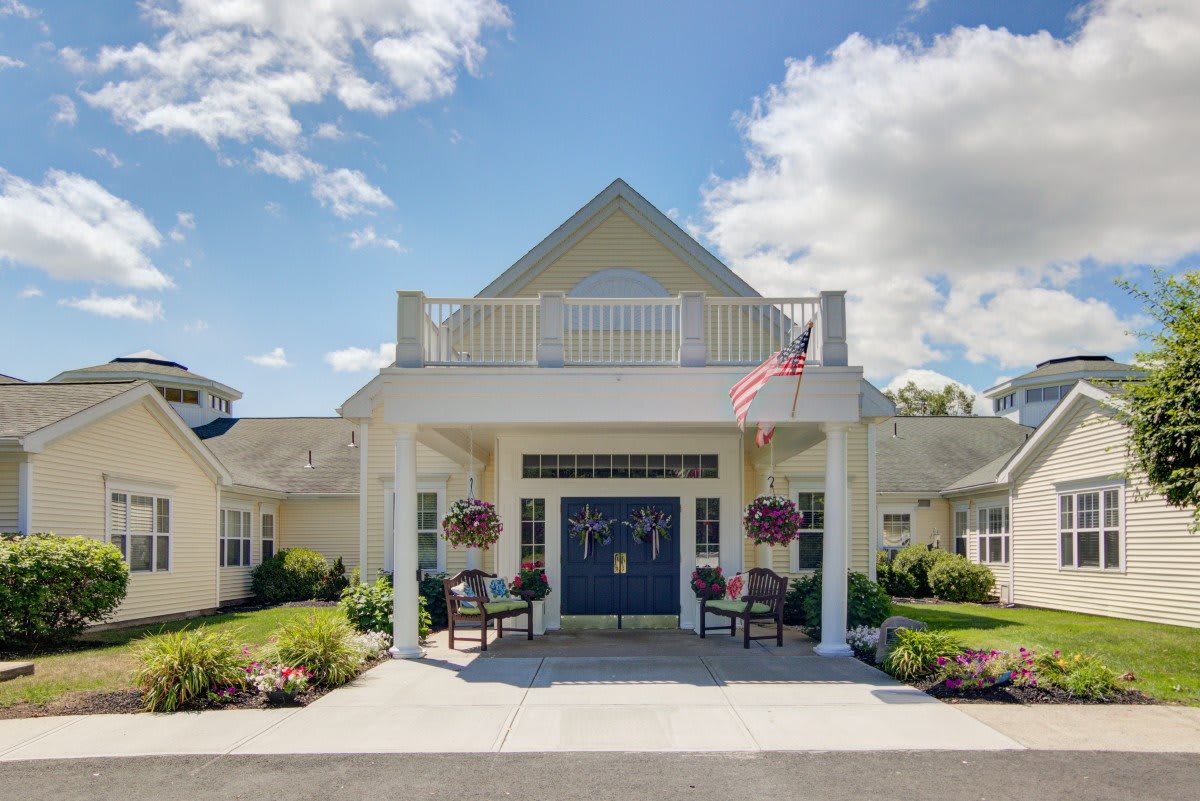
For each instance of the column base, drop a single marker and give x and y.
(414, 652)
(833, 650)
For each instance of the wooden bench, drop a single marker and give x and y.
(476, 608)
(765, 590)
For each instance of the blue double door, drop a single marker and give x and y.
(623, 577)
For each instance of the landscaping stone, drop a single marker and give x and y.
(887, 634)
(10, 670)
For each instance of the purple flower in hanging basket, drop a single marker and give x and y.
(772, 520)
(472, 523)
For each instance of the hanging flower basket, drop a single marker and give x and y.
(650, 523)
(590, 527)
(472, 523)
(772, 520)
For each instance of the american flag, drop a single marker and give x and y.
(788, 361)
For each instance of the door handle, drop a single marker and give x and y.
(620, 563)
(624, 562)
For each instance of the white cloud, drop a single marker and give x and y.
(275, 359)
(196, 327)
(7, 62)
(72, 228)
(184, 221)
(357, 360)
(30, 291)
(345, 192)
(932, 379)
(944, 183)
(237, 69)
(328, 130)
(74, 60)
(124, 306)
(366, 237)
(273, 208)
(108, 156)
(65, 113)
(13, 8)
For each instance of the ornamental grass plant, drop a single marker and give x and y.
(178, 667)
(325, 645)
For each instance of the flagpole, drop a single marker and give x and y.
(796, 394)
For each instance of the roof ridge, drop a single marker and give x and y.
(77, 383)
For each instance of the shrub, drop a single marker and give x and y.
(435, 598)
(368, 607)
(863, 640)
(977, 670)
(293, 574)
(52, 588)
(894, 583)
(866, 602)
(915, 653)
(324, 644)
(334, 582)
(1079, 675)
(373, 644)
(424, 626)
(914, 563)
(956, 579)
(177, 667)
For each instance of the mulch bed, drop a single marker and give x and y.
(124, 702)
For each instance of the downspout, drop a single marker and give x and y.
(872, 505)
(217, 561)
(1012, 545)
(25, 495)
(362, 501)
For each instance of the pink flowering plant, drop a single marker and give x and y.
(978, 670)
(270, 679)
(708, 582)
(530, 582)
(472, 523)
(772, 520)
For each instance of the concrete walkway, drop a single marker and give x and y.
(609, 691)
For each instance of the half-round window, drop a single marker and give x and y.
(618, 282)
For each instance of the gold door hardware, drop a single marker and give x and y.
(620, 563)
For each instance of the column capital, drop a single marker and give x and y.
(835, 428)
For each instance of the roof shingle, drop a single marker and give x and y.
(927, 454)
(26, 408)
(271, 453)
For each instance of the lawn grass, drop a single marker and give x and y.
(1165, 659)
(104, 660)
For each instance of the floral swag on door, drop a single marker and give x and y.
(590, 527)
(650, 523)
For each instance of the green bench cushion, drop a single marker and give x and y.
(737, 606)
(496, 607)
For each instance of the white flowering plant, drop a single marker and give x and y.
(373, 644)
(863, 640)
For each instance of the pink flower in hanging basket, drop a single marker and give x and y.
(472, 523)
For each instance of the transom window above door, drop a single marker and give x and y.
(619, 465)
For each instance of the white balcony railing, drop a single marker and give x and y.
(553, 330)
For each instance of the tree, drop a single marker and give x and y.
(913, 400)
(1162, 411)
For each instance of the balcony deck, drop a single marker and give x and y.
(554, 330)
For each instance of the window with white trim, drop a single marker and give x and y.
(140, 526)
(896, 530)
(708, 532)
(960, 532)
(267, 526)
(993, 535)
(235, 538)
(427, 530)
(1090, 530)
(533, 530)
(810, 542)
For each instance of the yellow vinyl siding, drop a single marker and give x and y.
(931, 526)
(1002, 572)
(9, 495)
(1161, 582)
(809, 467)
(326, 525)
(131, 444)
(618, 241)
(235, 581)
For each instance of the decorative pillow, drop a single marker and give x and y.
(461, 590)
(734, 588)
(497, 590)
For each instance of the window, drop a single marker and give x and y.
(220, 404)
(1007, 402)
(619, 465)
(897, 529)
(708, 532)
(1089, 525)
(960, 532)
(427, 530)
(810, 543)
(177, 395)
(140, 527)
(268, 535)
(993, 534)
(533, 530)
(235, 538)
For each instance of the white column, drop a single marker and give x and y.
(410, 321)
(550, 351)
(762, 551)
(405, 644)
(834, 562)
(693, 350)
(474, 555)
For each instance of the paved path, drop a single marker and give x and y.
(929, 776)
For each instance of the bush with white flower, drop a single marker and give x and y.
(863, 640)
(373, 644)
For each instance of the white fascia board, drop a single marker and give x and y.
(1021, 382)
(1080, 394)
(672, 395)
(358, 406)
(159, 378)
(876, 407)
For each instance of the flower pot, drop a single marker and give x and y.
(764, 553)
(474, 558)
(539, 618)
(280, 697)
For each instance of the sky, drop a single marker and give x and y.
(242, 185)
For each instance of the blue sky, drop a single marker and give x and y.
(976, 174)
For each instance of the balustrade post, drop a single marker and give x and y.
(550, 351)
(834, 352)
(410, 320)
(693, 350)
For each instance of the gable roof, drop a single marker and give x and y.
(10, 379)
(618, 196)
(271, 453)
(1082, 393)
(984, 476)
(28, 408)
(926, 454)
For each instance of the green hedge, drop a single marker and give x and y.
(912, 565)
(955, 579)
(52, 588)
(867, 604)
(292, 574)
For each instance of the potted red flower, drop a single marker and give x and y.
(532, 584)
